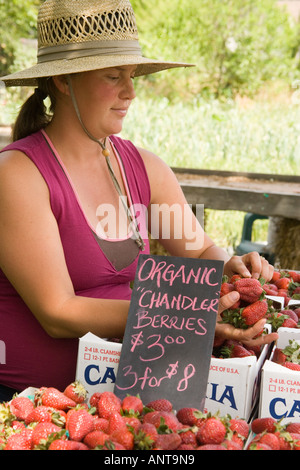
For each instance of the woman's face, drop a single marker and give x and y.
(103, 97)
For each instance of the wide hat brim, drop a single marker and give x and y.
(29, 77)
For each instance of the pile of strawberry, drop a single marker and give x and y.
(269, 434)
(289, 356)
(253, 304)
(55, 420)
(284, 283)
(230, 348)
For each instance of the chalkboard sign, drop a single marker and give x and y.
(170, 329)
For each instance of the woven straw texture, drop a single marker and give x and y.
(74, 21)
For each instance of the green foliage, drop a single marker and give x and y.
(236, 45)
(262, 137)
(18, 20)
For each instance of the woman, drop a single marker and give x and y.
(66, 266)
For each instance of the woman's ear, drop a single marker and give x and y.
(61, 83)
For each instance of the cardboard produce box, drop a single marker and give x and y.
(233, 385)
(280, 393)
(280, 387)
(97, 363)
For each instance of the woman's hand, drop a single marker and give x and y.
(249, 265)
(248, 336)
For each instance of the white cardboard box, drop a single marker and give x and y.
(97, 363)
(233, 385)
(280, 393)
(280, 387)
(287, 334)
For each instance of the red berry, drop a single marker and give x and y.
(108, 403)
(260, 425)
(187, 416)
(213, 431)
(161, 404)
(132, 404)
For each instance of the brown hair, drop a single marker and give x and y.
(33, 115)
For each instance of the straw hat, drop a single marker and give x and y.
(83, 35)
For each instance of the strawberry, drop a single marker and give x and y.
(95, 438)
(232, 348)
(258, 446)
(269, 439)
(123, 437)
(161, 404)
(250, 289)
(240, 427)
(132, 422)
(211, 447)
(226, 288)
(188, 436)
(295, 291)
(255, 312)
(132, 405)
(276, 319)
(278, 356)
(235, 440)
(21, 407)
(116, 421)
(186, 447)
(230, 444)
(62, 444)
(235, 278)
(283, 282)
(76, 392)
(112, 445)
(291, 314)
(108, 403)
(20, 440)
(17, 425)
(289, 323)
(285, 440)
(54, 398)
(162, 420)
(276, 275)
(293, 427)
(42, 432)
(295, 441)
(80, 423)
(188, 415)
(100, 424)
(294, 275)
(213, 431)
(72, 410)
(168, 441)
(297, 312)
(260, 425)
(218, 341)
(270, 289)
(94, 399)
(39, 414)
(292, 366)
(145, 437)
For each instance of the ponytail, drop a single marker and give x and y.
(33, 115)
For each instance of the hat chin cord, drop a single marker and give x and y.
(105, 152)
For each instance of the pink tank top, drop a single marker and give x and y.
(32, 357)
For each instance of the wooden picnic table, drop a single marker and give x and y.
(265, 194)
